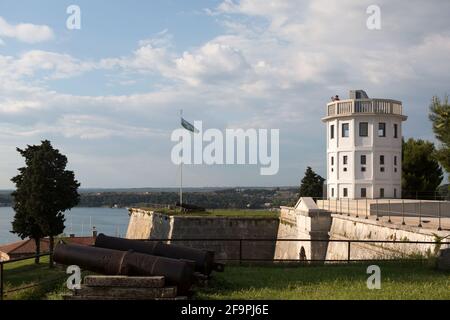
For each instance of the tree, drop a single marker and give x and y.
(44, 191)
(312, 184)
(24, 223)
(440, 117)
(421, 173)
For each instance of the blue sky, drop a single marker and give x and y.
(108, 95)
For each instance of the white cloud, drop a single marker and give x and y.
(210, 63)
(266, 9)
(275, 66)
(213, 62)
(13, 106)
(25, 32)
(152, 56)
(83, 126)
(43, 65)
(91, 127)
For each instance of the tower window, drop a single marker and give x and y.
(332, 192)
(345, 130)
(395, 193)
(382, 160)
(382, 129)
(395, 130)
(363, 192)
(363, 159)
(363, 129)
(345, 160)
(363, 169)
(395, 160)
(382, 169)
(345, 192)
(381, 192)
(332, 161)
(332, 131)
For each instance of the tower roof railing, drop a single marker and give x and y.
(364, 106)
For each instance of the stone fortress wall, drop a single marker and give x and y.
(152, 225)
(304, 221)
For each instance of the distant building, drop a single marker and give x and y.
(26, 248)
(364, 147)
(22, 248)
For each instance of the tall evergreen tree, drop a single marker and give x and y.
(24, 223)
(421, 172)
(44, 190)
(312, 184)
(440, 117)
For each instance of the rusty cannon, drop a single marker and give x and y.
(204, 259)
(179, 273)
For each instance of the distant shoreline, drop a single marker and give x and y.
(211, 198)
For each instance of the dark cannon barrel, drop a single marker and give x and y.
(204, 259)
(179, 273)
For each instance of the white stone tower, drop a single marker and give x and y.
(364, 147)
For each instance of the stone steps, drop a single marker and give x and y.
(124, 281)
(124, 288)
(100, 298)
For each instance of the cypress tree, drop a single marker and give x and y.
(312, 184)
(44, 191)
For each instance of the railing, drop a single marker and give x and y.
(2, 274)
(379, 106)
(239, 245)
(402, 211)
(441, 195)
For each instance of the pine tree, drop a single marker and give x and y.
(421, 172)
(312, 184)
(44, 191)
(440, 116)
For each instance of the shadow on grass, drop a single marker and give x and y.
(27, 280)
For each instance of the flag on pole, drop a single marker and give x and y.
(188, 126)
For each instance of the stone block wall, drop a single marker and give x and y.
(181, 229)
(351, 228)
(304, 221)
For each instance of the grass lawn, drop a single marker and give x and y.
(399, 280)
(221, 213)
(38, 281)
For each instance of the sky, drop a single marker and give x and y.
(108, 95)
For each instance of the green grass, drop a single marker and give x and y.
(37, 281)
(399, 280)
(220, 213)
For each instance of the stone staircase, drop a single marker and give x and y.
(97, 287)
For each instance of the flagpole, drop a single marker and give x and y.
(181, 171)
(181, 184)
